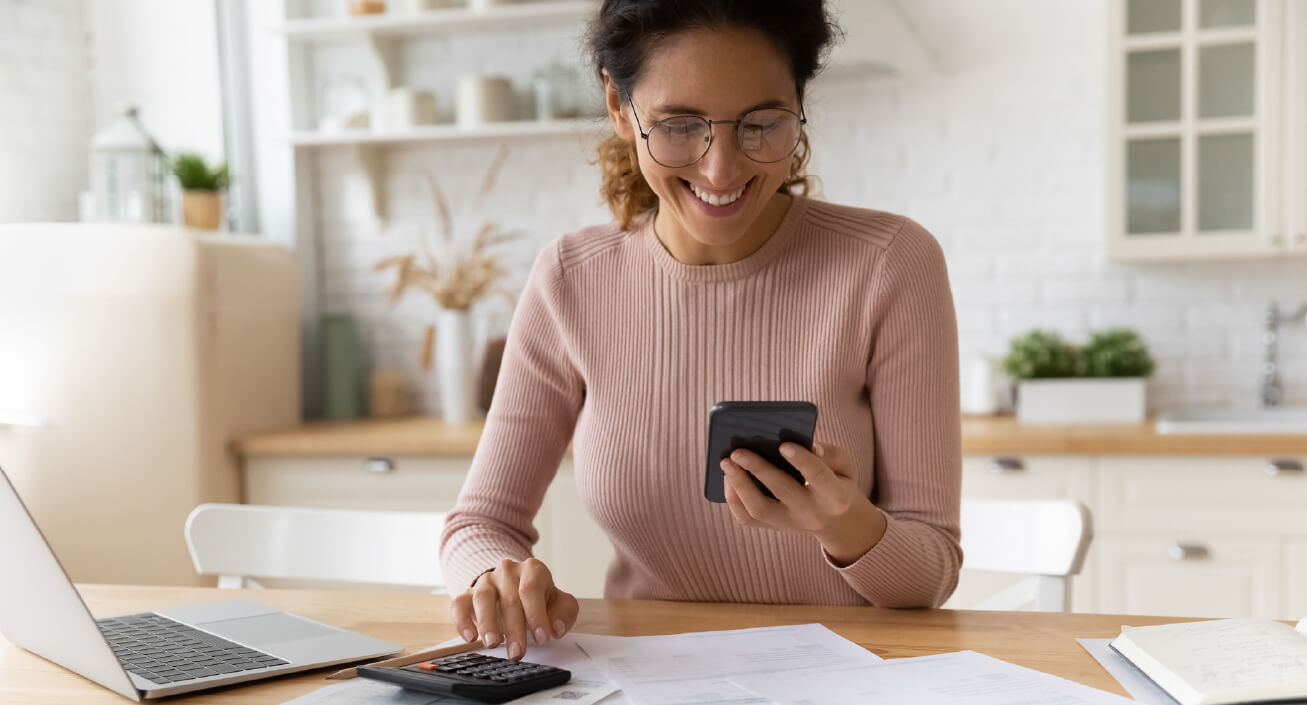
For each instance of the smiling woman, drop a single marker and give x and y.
(720, 280)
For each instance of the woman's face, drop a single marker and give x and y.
(717, 75)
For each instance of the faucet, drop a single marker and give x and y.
(1272, 389)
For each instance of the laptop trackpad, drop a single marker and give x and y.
(268, 629)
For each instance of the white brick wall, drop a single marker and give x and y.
(1000, 154)
(45, 112)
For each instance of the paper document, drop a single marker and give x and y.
(695, 668)
(1134, 682)
(961, 678)
(589, 685)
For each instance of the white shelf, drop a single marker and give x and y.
(525, 14)
(441, 133)
(369, 148)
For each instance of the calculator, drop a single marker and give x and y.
(489, 679)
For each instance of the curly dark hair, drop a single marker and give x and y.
(624, 32)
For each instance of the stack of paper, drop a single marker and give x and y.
(790, 665)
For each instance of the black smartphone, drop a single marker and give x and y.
(759, 426)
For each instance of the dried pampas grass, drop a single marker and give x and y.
(456, 273)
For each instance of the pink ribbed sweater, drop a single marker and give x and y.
(622, 349)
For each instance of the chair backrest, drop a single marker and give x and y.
(238, 542)
(1045, 539)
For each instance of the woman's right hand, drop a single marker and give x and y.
(516, 598)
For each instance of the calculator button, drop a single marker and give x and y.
(428, 666)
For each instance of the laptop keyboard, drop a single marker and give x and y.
(166, 651)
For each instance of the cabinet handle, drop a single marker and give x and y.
(378, 465)
(1188, 551)
(1002, 465)
(1282, 467)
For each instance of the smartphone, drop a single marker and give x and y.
(759, 426)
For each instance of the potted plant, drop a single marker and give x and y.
(202, 187)
(1100, 382)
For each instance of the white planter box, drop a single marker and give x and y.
(1074, 400)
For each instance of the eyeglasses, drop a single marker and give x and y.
(765, 136)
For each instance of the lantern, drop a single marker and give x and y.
(130, 175)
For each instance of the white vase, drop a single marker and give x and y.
(456, 366)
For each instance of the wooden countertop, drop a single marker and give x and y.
(1043, 641)
(981, 435)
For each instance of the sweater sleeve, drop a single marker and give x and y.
(912, 383)
(537, 399)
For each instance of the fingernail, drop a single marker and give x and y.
(491, 639)
(559, 629)
(787, 450)
(541, 636)
(469, 635)
(515, 651)
(728, 467)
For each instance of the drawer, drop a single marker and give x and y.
(406, 483)
(1189, 575)
(1232, 495)
(1027, 477)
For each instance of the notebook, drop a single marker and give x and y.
(1221, 661)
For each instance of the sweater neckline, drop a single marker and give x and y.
(776, 244)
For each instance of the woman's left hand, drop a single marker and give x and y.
(829, 506)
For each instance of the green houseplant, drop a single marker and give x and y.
(1102, 381)
(202, 185)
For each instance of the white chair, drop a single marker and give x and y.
(242, 542)
(1044, 539)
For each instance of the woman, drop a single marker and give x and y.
(718, 282)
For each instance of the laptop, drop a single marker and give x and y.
(153, 654)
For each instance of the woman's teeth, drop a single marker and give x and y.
(714, 200)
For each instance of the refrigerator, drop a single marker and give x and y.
(130, 357)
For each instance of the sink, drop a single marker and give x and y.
(1281, 419)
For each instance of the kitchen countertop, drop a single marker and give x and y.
(981, 435)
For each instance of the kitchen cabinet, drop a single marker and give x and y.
(1206, 155)
(1173, 535)
(1028, 477)
(1237, 495)
(1187, 574)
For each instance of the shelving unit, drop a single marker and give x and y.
(384, 33)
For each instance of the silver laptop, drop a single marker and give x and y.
(153, 654)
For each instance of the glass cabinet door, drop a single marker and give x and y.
(1195, 113)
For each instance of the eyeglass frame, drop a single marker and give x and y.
(712, 134)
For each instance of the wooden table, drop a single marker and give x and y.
(415, 620)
